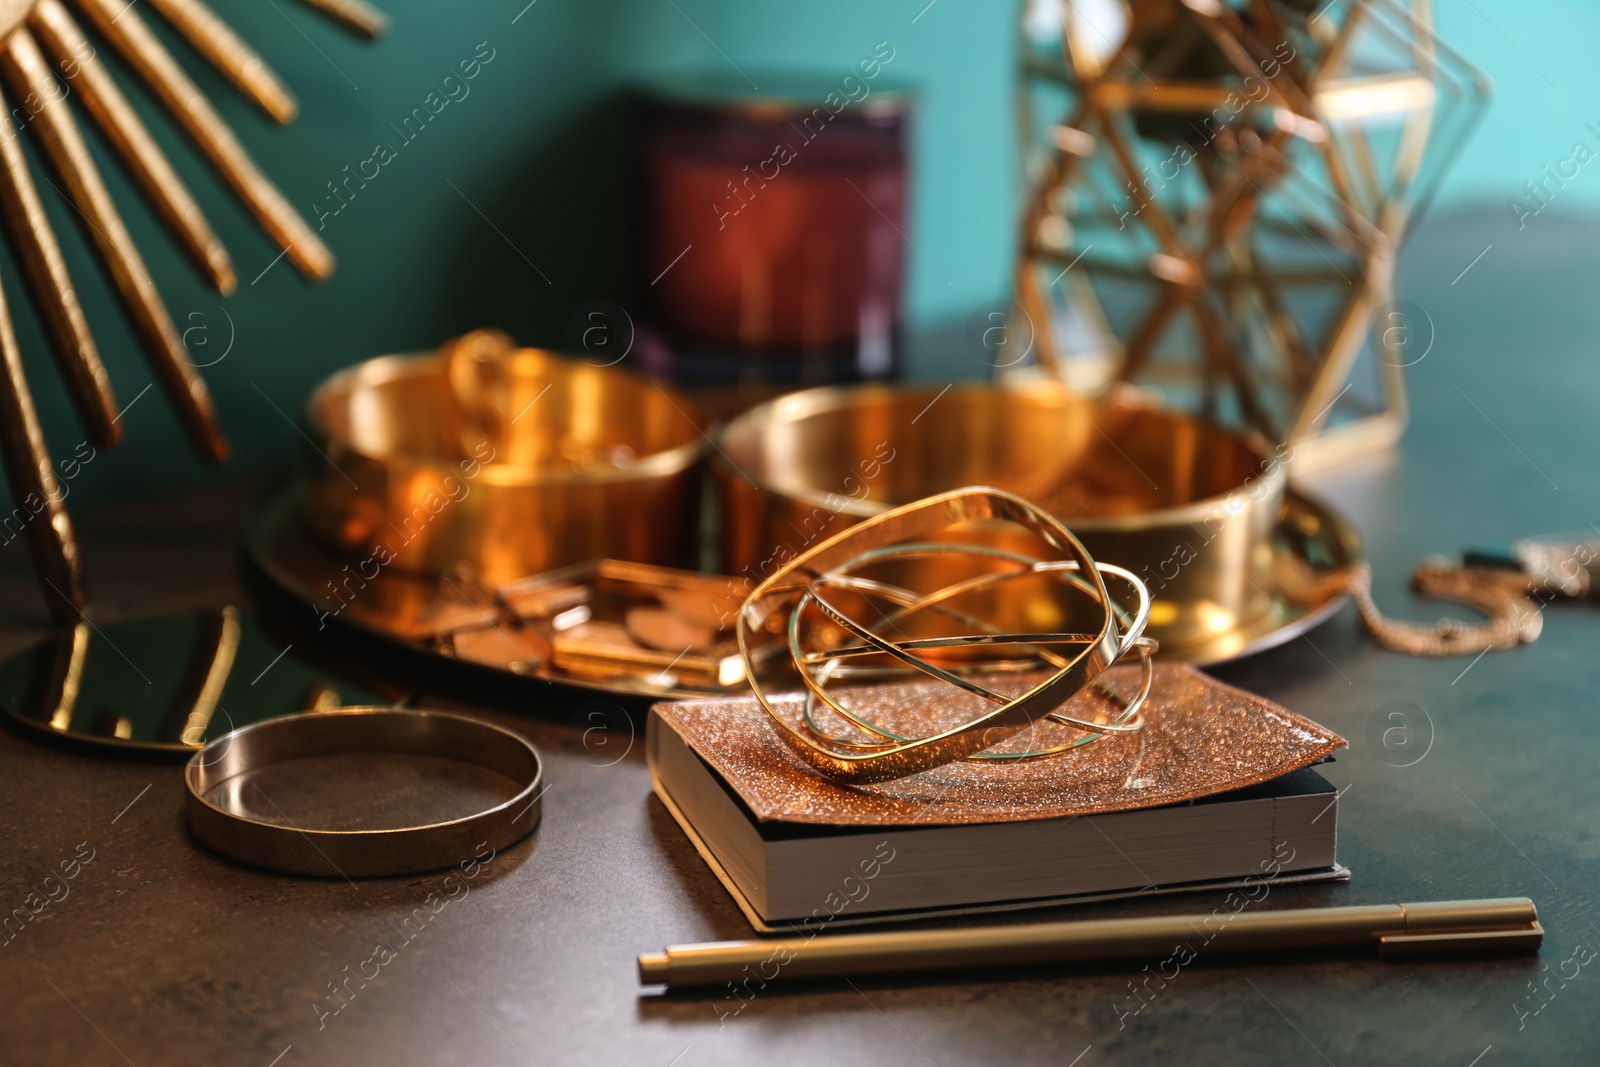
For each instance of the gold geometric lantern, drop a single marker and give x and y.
(1217, 195)
(45, 57)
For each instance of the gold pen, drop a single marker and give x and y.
(1449, 927)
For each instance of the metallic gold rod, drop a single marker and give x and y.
(1141, 342)
(1152, 213)
(1034, 301)
(1295, 90)
(1366, 180)
(71, 653)
(54, 295)
(1335, 61)
(322, 698)
(1279, 320)
(1235, 201)
(34, 490)
(1225, 357)
(1233, 208)
(1093, 266)
(126, 30)
(216, 677)
(1031, 295)
(25, 69)
(129, 136)
(1509, 925)
(226, 51)
(1340, 350)
(1203, 97)
(356, 15)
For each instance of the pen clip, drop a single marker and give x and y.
(1433, 945)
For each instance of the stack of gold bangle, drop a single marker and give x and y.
(791, 612)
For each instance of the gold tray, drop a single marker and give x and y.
(279, 538)
(1309, 534)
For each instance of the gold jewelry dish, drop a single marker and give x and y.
(603, 625)
(516, 461)
(1200, 514)
(439, 483)
(801, 624)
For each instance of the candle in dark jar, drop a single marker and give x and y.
(776, 246)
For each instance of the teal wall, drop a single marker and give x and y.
(539, 147)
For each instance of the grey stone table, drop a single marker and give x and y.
(163, 954)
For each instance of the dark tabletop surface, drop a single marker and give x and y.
(164, 954)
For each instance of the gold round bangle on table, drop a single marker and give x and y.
(791, 626)
(232, 815)
(1201, 514)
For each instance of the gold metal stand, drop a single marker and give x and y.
(1233, 183)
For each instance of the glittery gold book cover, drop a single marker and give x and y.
(1201, 738)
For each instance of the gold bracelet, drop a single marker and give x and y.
(801, 586)
(215, 774)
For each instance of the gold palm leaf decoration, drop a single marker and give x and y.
(41, 43)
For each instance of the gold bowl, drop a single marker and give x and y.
(1192, 508)
(515, 463)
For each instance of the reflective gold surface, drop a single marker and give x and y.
(1198, 512)
(167, 684)
(585, 462)
(408, 608)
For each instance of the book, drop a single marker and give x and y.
(843, 855)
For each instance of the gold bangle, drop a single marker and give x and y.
(1128, 720)
(799, 585)
(215, 769)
